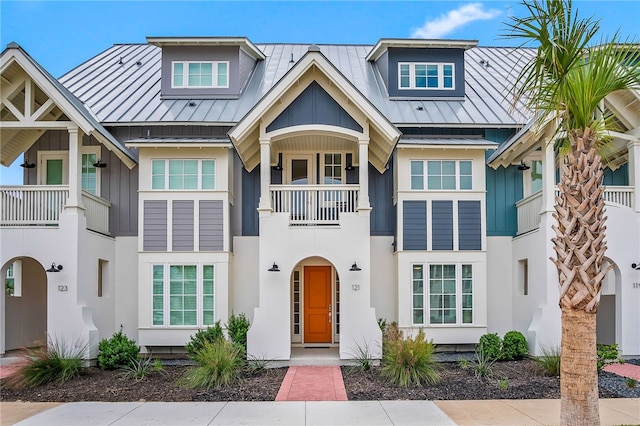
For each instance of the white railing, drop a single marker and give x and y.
(529, 212)
(314, 204)
(38, 205)
(32, 205)
(97, 212)
(529, 208)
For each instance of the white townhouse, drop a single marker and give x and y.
(315, 188)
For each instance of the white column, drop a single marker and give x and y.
(634, 172)
(548, 178)
(265, 175)
(75, 173)
(363, 174)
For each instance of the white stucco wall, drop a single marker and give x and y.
(502, 282)
(384, 289)
(124, 287)
(243, 290)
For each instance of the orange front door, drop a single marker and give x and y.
(317, 304)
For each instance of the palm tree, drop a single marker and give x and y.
(565, 85)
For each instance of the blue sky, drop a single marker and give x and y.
(62, 35)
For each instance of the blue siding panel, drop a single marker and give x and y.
(250, 200)
(414, 222)
(441, 225)
(383, 211)
(469, 225)
(314, 106)
(619, 177)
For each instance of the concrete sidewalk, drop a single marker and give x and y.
(490, 412)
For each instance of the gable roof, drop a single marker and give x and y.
(485, 102)
(383, 135)
(69, 104)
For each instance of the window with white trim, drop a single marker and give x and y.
(193, 75)
(9, 282)
(445, 175)
(332, 168)
(183, 174)
(183, 295)
(443, 293)
(426, 76)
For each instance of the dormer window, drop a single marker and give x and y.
(210, 74)
(426, 76)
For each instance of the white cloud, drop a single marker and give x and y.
(453, 20)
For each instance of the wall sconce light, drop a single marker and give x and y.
(522, 166)
(27, 164)
(54, 268)
(636, 266)
(349, 162)
(274, 268)
(354, 267)
(278, 166)
(100, 165)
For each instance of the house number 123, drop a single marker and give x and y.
(62, 287)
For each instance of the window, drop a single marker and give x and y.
(213, 74)
(10, 282)
(183, 174)
(536, 176)
(441, 175)
(332, 169)
(449, 295)
(89, 173)
(523, 266)
(183, 295)
(425, 76)
(102, 277)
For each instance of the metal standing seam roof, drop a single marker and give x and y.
(122, 86)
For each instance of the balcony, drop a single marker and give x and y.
(310, 205)
(41, 206)
(529, 207)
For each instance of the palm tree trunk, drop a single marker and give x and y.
(580, 249)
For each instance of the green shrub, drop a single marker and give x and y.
(410, 361)
(116, 352)
(607, 354)
(550, 360)
(514, 346)
(237, 328)
(483, 365)
(140, 368)
(219, 364)
(490, 346)
(210, 334)
(55, 363)
(382, 323)
(362, 359)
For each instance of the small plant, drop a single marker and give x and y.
(391, 333)
(362, 358)
(117, 352)
(514, 346)
(483, 365)
(382, 323)
(503, 384)
(607, 354)
(410, 361)
(210, 334)
(464, 364)
(140, 368)
(55, 363)
(550, 360)
(255, 365)
(631, 383)
(237, 328)
(219, 364)
(490, 346)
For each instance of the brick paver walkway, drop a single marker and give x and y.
(624, 370)
(312, 384)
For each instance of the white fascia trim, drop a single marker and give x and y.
(178, 145)
(447, 147)
(243, 42)
(316, 129)
(385, 43)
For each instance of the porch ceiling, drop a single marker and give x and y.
(313, 143)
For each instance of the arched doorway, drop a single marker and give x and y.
(24, 307)
(315, 304)
(606, 316)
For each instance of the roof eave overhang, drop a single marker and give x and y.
(243, 42)
(385, 43)
(443, 146)
(314, 58)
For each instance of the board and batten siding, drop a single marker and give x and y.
(442, 225)
(383, 211)
(211, 225)
(155, 225)
(182, 225)
(414, 229)
(469, 225)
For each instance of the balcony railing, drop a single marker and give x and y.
(41, 205)
(529, 208)
(314, 204)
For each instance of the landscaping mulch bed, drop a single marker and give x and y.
(511, 380)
